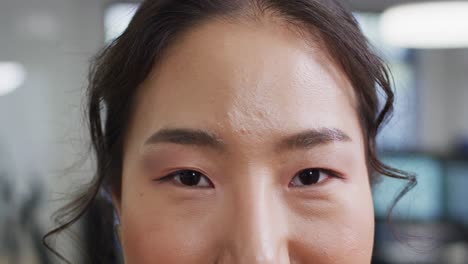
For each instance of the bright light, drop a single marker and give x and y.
(117, 18)
(12, 76)
(426, 25)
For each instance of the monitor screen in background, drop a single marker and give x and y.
(457, 194)
(424, 202)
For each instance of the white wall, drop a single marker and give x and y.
(443, 81)
(40, 122)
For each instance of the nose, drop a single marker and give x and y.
(258, 225)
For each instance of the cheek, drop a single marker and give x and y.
(146, 241)
(341, 232)
(153, 230)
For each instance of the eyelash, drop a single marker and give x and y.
(172, 175)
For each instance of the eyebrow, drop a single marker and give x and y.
(303, 140)
(184, 136)
(312, 138)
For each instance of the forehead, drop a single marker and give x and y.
(250, 77)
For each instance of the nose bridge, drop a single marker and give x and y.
(258, 234)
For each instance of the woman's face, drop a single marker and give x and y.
(245, 147)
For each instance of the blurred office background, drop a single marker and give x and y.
(45, 48)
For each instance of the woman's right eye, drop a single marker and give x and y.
(188, 178)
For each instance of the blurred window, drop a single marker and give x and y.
(424, 202)
(457, 182)
(401, 133)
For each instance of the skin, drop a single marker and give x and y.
(251, 86)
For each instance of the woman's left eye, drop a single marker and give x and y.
(309, 177)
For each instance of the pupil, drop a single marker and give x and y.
(190, 178)
(309, 177)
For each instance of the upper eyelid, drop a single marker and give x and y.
(152, 156)
(332, 172)
(172, 174)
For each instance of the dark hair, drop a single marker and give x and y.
(125, 63)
